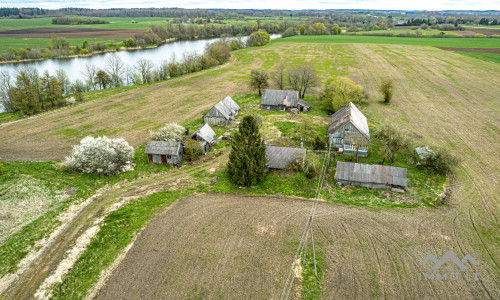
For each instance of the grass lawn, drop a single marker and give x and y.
(436, 42)
(18, 43)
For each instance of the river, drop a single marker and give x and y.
(73, 66)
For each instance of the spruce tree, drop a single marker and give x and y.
(247, 160)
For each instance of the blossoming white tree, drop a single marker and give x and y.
(171, 132)
(99, 155)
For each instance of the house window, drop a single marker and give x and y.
(169, 157)
(348, 147)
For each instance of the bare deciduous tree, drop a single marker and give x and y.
(116, 69)
(5, 85)
(90, 71)
(144, 67)
(278, 77)
(302, 77)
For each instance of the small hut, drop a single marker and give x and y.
(222, 112)
(373, 176)
(166, 153)
(205, 136)
(280, 100)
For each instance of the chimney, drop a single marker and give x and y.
(187, 130)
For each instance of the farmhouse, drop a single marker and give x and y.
(281, 157)
(164, 152)
(348, 131)
(283, 100)
(222, 112)
(205, 136)
(373, 176)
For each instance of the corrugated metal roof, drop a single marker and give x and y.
(366, 173)
(304, 103)
(229, 103)
(206, 133)
(164, 148)
(349, 113)
(280, 157)
(277, 97)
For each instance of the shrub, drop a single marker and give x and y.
(442, 161)
(130, 42)
(171, 132)
(350, 157)
(310, 170)
(192, 150)
(290, 31)
(99, 156)
(1, 169)
(387, 88)
(283, 141)
(318, 143)
(479, 35)
(259, 38)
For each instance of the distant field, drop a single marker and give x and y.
(17, 43)
(437, 42)
(399, 31)
(493, 57)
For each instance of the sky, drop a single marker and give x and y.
(266, 4)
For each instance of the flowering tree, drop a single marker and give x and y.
(99, 155)
(171, 132)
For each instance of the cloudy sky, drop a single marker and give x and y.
(266, 4)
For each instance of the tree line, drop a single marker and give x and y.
(77, 21)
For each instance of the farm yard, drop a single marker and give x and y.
(442, 98)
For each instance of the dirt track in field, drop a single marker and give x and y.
(70, 32)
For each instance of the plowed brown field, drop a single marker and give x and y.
(70, 32)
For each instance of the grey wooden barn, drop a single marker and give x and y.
(281, 157)
(167, 153)
(348, 128)
(222, 112)
(205, 136)
(373, 176)
(279, 100)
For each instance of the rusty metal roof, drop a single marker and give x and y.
(349, 113)
(366, 173)
(280, 157)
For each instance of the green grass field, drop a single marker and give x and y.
(493, 57)
(404, 31)
(115, 23)
(436, 42)
(18, 43)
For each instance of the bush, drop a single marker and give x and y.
(259, 38)
(99, 156)
(387, 88)
(442, 161)
(171, 132)
(350, 157)
(192, 150)
(318, 143)
(283, 141)
(1, 169)
(310, 170)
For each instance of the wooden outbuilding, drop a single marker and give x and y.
(205, 136)
(373, 176)
(348, 131)
(222, 112)
(279, 100)
(167, 153)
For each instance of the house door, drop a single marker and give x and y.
(164, 159)
(150, 158)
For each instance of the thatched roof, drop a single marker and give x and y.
(349, 113)
(277, 97)
(367, 174)
(281, 157)
(163, 148)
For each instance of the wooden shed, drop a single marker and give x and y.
(347, 125)
(281, 157)
(279, 100)
(205, 136)
(167, 153)
(222, 112)
(373, 176)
